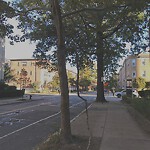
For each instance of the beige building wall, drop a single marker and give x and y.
(133, 67)
(33, 71)
(143, 67)
(2, 58)
(29, 65)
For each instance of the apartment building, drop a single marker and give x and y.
(33, 73)
(2, 58)
(133, 67)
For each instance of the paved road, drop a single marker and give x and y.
(24, 125)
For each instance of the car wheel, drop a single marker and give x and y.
(119, 95)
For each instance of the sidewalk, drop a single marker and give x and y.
(113, 126)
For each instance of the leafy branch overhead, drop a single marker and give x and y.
(82, 32)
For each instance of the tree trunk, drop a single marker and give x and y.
(61, 57)
(100, 69)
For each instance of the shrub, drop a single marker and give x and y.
(126, 99)
(144, 93)
(3, 86)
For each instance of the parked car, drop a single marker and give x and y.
(125, 92)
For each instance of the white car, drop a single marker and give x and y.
(123, 92)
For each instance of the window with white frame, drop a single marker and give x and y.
(24, 63)
(133, 74)
(143, 62)
(144, 74)
(133, 63)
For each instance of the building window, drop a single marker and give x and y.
(24, 63)
(32, 63)
(133, 74)
(31, 73)
(144, 74)
(143, 62)
(133, 62)
(18, 63)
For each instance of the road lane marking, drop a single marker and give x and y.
(11, 133)
(80, 114)
(29, 125)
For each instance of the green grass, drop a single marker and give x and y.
(140, 104)
(52, 143)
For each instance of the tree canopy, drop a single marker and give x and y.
(6, 12)
(83, 31)
(8, 74)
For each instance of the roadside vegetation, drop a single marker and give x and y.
(142, 105)
(54, 142)
(81, 33)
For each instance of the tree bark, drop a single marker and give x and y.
(100, 68)
(61, 57)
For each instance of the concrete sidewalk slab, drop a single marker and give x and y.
(122, 132)
(114, 126)
(96, 122)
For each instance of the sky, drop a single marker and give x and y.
(20, 49)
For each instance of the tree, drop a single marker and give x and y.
(111, 24)
(6, 12)
(112, 82)
(23, 80)
(8, 74)
(139, 83)
(84, 83)
(37, 18)
(105, 21)
(35, 86)
(55, 83)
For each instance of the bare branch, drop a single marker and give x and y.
(92, 9)
(114, 30)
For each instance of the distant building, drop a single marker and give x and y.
(34, 74)
(133, 67)
(2, 58)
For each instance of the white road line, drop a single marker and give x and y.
(29, 125)
(2, 137)
(80, 114)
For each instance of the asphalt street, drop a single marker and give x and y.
(24, 125)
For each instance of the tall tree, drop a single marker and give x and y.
(41, 21)
(61, 57)
(6, 12)
(8, 74)
(112, 24)
(105, 20)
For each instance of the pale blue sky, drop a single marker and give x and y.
(20, 49)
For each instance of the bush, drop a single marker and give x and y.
(10, 91)
(126, 99)
(3, 86)
(143, 106)
(144, 93)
